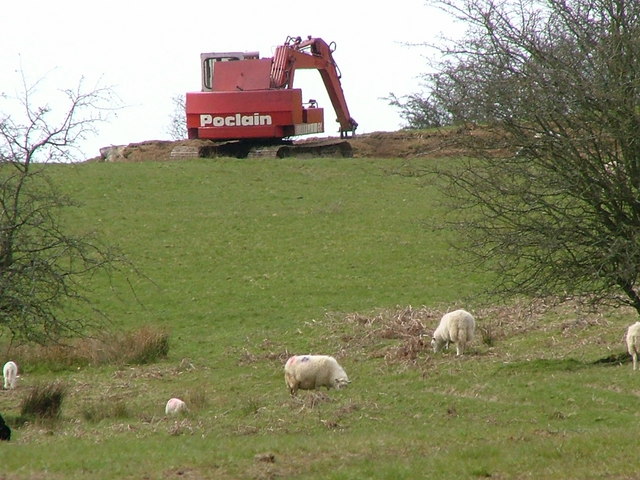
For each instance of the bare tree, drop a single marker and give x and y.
(41, 264)
(178, 119)
(560, 81)
(421, 112)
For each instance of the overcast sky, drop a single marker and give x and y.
(148, 52)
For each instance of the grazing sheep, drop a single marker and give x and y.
(5, 431)
(308, 372)
(455, 327)
(633, 343)
(10, 373)
(175, 405)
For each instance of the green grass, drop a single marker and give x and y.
(251, 242)
(248, 261)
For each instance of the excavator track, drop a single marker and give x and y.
(319, 148)
(240, 149)
(265, 151)
(308, 149)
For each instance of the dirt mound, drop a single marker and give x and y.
(154, 150)
(433, 143)
(400, 144)
(405, 143)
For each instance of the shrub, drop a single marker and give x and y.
(44, 401)
(146, 345)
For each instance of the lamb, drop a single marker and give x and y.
(174, 406)
(457, 327)
(309, 372)
(10, 373)
(633, 343)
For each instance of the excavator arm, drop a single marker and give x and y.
(312, 53)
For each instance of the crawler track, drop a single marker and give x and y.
(240, 149)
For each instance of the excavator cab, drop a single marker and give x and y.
(234, 70)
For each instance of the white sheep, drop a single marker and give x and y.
(455, 327)
(10, 374)
(633, 343)
(175, 405)
(308, 372)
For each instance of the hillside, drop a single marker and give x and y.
(245, 262)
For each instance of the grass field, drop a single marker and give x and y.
(245, 262)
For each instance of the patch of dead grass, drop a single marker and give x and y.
(139, 347)
(402, 335)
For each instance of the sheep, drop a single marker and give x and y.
(5, 431)
(308, 372)
(455, 327)
(175, 405)
(633, 343)
(10, 373)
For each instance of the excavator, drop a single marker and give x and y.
(248, 106)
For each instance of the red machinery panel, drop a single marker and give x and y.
(313, 115)
(245, 114)
(241, 76)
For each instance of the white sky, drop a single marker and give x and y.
(149, 52)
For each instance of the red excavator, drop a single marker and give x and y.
(248, 106)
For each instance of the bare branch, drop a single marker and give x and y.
(41, 265)
(561, 79)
